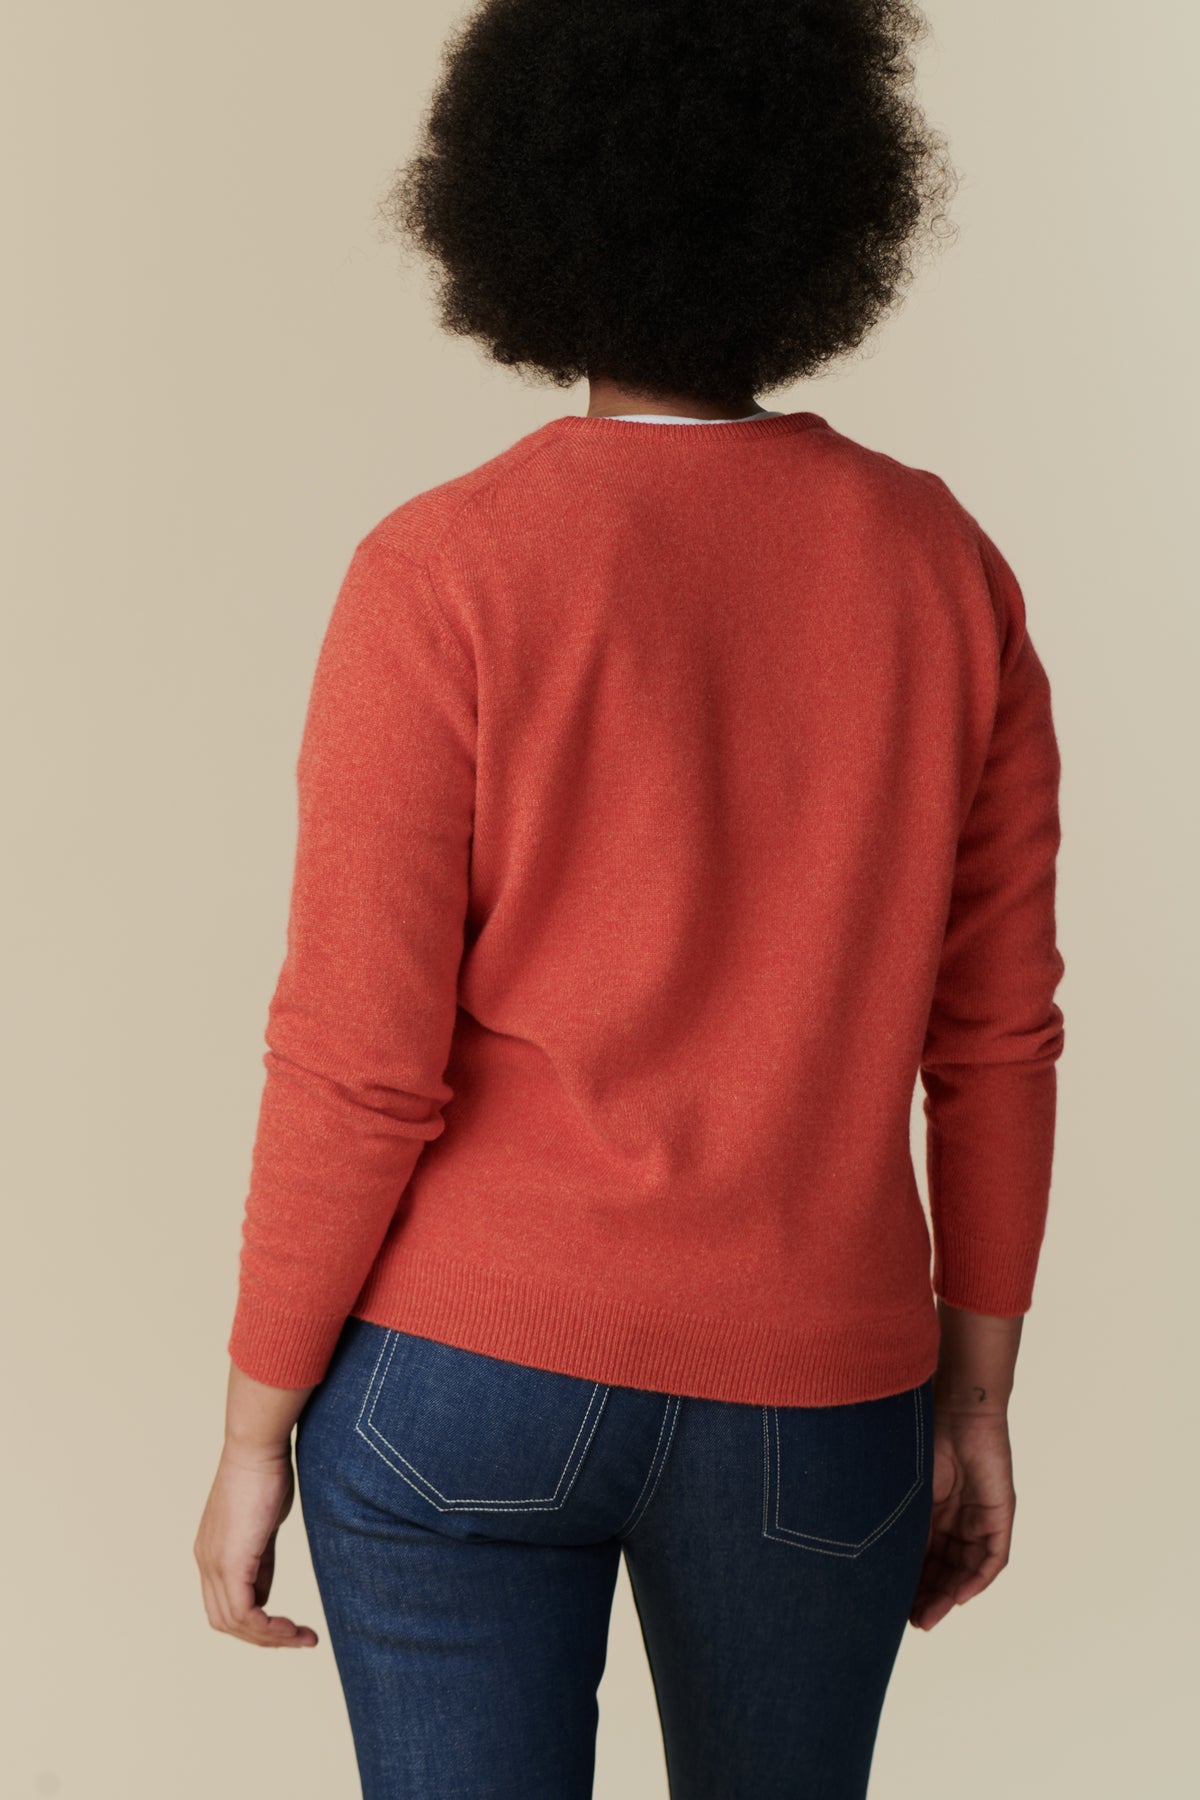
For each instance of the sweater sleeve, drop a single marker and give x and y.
(995, 1032)
(359, 1025)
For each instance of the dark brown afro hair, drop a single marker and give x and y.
(707, 197)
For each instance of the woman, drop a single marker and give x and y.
(677, 787)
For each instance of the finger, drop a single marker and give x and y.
(974, 1582)
(227, 1589)
(925, 1617)
(963, 1557)
(273, 1631)
(236, 1598)
(249, 1620)
(951, 1565)
(211, 1605)
(265, 1573)
(221, 1601)
(931, 1600)
(934, 1597)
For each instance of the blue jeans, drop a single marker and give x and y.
(466, 1518)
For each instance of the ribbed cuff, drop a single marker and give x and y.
(282, 1348)
(983, 1276)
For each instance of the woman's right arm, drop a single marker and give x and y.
(989, 1068)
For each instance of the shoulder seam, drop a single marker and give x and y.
(379, 537)
(475, 492)
(401, 558)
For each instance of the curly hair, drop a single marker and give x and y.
(710, 197)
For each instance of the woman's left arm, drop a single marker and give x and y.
(358, 1034)
(259, 1418)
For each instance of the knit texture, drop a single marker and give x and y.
(671, 800)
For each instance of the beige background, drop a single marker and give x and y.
(218, 374)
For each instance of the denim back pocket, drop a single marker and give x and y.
(836, 1477)
(475, 1433)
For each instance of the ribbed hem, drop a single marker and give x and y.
(673, 433)
(578, 1332)
(985, 1277)
(282, 1348)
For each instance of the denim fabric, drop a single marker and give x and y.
(466, 1518)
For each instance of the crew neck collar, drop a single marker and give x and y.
(654, 418)
(669, 430)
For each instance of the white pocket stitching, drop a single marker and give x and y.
(808, 1540)
(627, 1529)
(371, 1435)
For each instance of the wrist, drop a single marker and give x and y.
(252, 1453)
(259, 1417)
(977, 1358)
(953, 1395)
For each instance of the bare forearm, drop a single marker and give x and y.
(976, 1361)
(258, 1417)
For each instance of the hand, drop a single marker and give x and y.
(250, 1498)
(970, 1533)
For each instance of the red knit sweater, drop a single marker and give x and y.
(671, 799)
